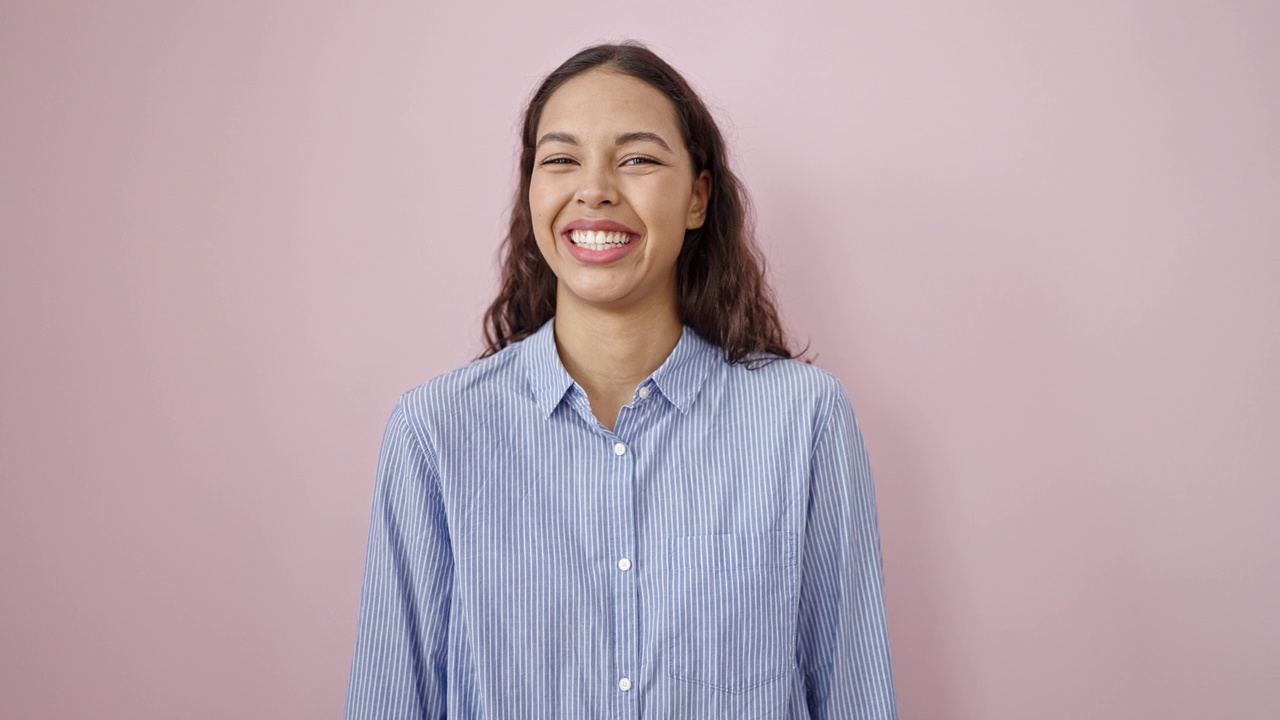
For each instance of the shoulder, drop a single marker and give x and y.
(794, 378)
(789, 392)
(467, 391)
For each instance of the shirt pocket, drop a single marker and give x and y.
(732, 608)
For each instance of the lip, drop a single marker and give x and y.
(598, 257)
(599, 225)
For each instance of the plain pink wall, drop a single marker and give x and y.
(1038, 241)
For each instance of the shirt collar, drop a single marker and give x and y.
(547, 376)
(679, 378)
(681, 375)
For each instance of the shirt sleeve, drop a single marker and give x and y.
(398, 670)
(843, 636)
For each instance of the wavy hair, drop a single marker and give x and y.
(720, 285)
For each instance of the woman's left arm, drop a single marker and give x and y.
(843, 636)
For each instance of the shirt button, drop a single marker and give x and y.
(619, 449)
(624, 684)
(624, 564)
(644, 392)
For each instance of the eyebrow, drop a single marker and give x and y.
(620, 139)
(624, 138)
(557, 137)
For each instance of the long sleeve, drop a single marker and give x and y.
(398, 670)
(843, 636)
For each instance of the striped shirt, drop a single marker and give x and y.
(714, 556)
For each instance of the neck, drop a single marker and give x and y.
(609, 353)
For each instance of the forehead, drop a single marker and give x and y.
(606, 103)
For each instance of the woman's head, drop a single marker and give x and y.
(612, 193)
(657, 187)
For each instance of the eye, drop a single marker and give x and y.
(558, 160)
(641, 160)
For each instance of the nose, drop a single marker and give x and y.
(597, 188)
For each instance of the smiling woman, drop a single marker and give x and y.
(610, 199)
(635, 504)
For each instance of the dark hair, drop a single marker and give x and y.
(720, 285)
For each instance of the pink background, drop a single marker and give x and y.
(1038, 241)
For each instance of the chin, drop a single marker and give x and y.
(603, 295)
(600, 300)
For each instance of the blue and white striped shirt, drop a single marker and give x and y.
(714, 556)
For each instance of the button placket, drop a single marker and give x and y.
(622, 474)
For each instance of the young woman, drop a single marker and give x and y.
(636, 504)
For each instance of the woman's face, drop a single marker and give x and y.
(612, 192)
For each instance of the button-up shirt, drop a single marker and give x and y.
(715, 555)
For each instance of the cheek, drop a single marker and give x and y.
(542, 206)
(542, 214)
(668, 206)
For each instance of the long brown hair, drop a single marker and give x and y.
(720, 285)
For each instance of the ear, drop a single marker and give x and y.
(698, 205)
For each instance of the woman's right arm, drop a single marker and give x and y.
(399, 666)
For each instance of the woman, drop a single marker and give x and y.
(635, 504)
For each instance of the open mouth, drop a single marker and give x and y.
(598, 240)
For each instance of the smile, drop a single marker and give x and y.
(599, 240)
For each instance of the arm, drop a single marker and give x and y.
(399, 666)
(843, 637)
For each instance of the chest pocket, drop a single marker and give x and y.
(732, 608)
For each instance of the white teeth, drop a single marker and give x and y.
(597, 240)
